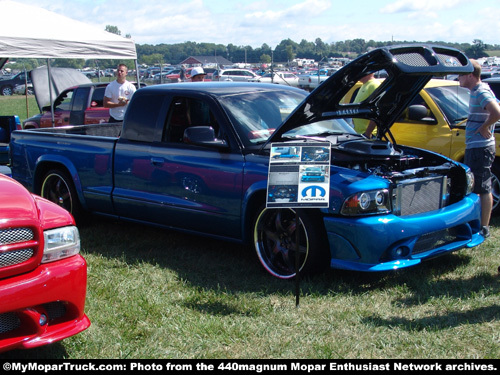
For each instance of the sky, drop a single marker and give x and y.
(255, 22)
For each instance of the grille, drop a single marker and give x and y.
(448, 60)
(55, 310)
(9, 322)
(15, 235)
(15, 257)
(413, 59)
(431, 241)
(419, 195)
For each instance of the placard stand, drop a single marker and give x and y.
(299, 177)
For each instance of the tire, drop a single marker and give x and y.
(495, 188)
(275, 242)
(6, 91)
(58, 187)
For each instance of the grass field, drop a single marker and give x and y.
(18, 105)
(154, 293)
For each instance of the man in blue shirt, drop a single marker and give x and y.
(484, 112)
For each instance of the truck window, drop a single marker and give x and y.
(98, 97)
(184, 113)
(80, 99)
(430, 118)
(64, 102)
(141, 118)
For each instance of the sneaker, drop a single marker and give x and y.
(485, 231)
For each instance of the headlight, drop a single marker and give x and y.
(470, 182)
(60, 243)
(367, 203)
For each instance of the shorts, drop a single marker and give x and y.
(480, 160)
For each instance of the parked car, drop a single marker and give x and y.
(236, 75)
(197, 158)
(7, 85)
(77, 105)
(281, 78)
(21, 89)
(313, 80)
(43, 278)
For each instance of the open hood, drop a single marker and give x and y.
(408, 68)
(61, 79)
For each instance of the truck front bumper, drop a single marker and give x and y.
(389, 242)
(43, 306)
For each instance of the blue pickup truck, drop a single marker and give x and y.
(195, 157)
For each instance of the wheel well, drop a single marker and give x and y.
(41, 170)
(253, 205)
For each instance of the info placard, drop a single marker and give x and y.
(299, 175)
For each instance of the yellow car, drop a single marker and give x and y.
(436, 121)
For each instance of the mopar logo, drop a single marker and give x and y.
(313, 191)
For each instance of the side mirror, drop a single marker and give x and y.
(417, 112)
(203, 136)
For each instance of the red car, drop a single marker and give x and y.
(43, 278)
(78, 105)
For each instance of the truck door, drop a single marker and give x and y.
(79, 105)
(172, 183)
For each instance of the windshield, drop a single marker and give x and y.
(256, 115)
(453, 102)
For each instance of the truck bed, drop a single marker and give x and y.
(98, 130)
(86, 151)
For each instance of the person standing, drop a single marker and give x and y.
(369, 84)
(484, 112)
(117, 94)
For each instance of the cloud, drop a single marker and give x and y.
(421, 6)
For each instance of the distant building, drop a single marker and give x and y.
(206, 61)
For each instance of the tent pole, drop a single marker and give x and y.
(26, 92)
(137, 74)
(50, 92)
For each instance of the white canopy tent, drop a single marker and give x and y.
(31, 32)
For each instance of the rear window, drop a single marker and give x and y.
(98, 97)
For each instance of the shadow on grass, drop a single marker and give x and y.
(438, 321)
(215, 265)
(55, 351)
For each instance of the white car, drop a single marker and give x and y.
(236, 75)
(281, 78)
(21, 89)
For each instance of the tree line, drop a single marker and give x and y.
(284, 52)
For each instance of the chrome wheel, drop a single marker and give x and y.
(275, 241)
(56, 189)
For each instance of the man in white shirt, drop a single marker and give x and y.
(117, 95)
